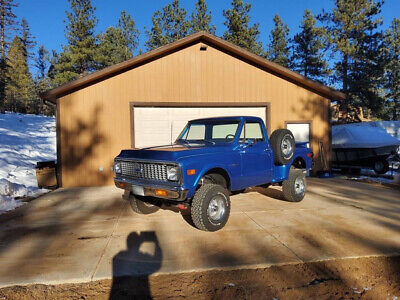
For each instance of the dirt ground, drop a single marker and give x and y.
(354, 278)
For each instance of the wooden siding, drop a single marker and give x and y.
(94, 122)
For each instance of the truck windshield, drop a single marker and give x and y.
(209, 131)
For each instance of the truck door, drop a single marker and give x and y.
(256, 155)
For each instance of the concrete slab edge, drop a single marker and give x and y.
(197, 270)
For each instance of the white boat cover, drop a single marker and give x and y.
(391, 127)
(361, 135)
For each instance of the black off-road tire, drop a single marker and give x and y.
(381, 166)
(141, 207)
(290, 187)
(278, 137)
(200, 205)
(215, 178)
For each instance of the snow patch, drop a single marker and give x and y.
(24, 140)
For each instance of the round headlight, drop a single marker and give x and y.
(117, 168)
(398, 150)
(172, 173)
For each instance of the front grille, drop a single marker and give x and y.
(144, 170)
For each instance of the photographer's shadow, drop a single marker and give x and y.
(132, 267)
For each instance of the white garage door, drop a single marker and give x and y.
(301, 131)
(162, 125)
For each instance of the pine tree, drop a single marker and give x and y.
(392, 68)
(353, 36)
(308, 53)
(79, 56)
(52, 71)
(129, 33)
(112, 47)
(42, 82)
(27, 39)
(7, 25)
(278, 49)
(42, 62)
(19, 80)
(201, 18)
(169, 25)
(239, 31)
(117, 44)
(155, 37)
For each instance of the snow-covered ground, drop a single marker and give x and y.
(24, 140)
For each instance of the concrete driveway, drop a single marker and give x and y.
(84, 234)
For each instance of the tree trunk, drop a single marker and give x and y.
(2, 31)
(343, 104)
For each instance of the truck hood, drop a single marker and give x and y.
(170, 152)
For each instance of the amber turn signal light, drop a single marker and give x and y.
(191, 172)
(122, 185)
(161, 192)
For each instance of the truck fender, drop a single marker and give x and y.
(211, 169)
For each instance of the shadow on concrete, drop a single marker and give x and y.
(131, 267)
(270, 192)
(50, 224)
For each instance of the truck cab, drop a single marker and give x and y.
(210, 160)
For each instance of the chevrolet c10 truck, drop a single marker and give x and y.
(210, 160)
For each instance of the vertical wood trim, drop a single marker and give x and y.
(132, 122)
(268, 118)
(58, 144)
(329, 150)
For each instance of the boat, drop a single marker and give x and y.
(361, 145)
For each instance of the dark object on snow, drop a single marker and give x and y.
(46, 174)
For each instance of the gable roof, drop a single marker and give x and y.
(278, 70)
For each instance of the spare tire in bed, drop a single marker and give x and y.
(283, 145)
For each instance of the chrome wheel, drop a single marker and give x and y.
(299, 186)
(148, 204)
(216, 208)
(286, 146)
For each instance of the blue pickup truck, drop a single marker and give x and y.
(210, 160)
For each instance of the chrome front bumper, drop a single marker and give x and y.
(172, 192)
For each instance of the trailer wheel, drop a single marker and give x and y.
(381, 166)
(142, 207)
(283, 144)
(294, 188)
(210, 207)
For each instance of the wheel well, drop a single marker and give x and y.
(221, 172)
(299, 163)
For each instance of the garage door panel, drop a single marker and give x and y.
(162, 125)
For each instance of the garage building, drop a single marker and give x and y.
(148, 99)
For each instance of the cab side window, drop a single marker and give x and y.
(251, 131)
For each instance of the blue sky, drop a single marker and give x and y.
(46, 17)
